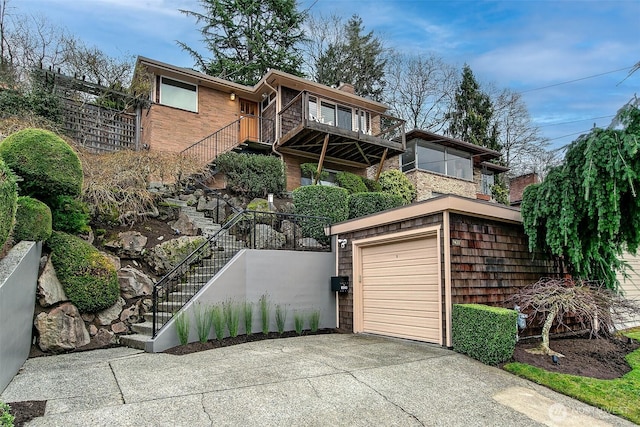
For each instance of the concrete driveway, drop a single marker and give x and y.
(322, 380)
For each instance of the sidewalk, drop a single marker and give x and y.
(317, 380)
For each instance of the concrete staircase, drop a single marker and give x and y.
(224, 248)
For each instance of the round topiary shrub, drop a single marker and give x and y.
(45, 162)
(395, 182)
(351, 182)
(88, 278)
(33, 220)
(8, 202)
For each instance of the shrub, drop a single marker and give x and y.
(314, 321)
(87, 276)
(33, 220)
(248, 318)
(281, 318)
(46, 163)
(395, 182)
(265, 308)
(217, 320)
(6, 419)
(308, 170)
(372, 185)
(361, 204)
(183, 324)
(298, 322)
(252, 175)
(70, 215)
(351, 182)
(8, 202)
(231, 311)
(203, 322)
(320, 201)
(485, 333)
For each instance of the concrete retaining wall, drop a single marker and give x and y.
(18, 284)
(298, 281)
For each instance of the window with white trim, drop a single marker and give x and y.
(342, 116)
(178, 94)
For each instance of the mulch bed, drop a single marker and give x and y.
(602, 358)
(27, 410)
(240, 339)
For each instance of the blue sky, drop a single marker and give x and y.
(524, 45)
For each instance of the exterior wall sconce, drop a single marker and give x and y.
(232, 96)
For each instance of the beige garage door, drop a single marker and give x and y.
(401, 289)
(631, 286)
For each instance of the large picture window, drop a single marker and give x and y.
(431, 157)
(342, 116)
(175, 93)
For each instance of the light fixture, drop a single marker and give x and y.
(232, 96)
(555, 359)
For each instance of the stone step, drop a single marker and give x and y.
(172, 306)
(162, 317)
(176, 202)
(145, 328)
(138, 341)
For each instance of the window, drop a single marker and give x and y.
(431, 157)
(175, 93)
(341, 116)
(487, 182)
(345, 121)
(329, 180)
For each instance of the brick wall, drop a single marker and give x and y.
(172, 129)
(427, 183)
(518, 184)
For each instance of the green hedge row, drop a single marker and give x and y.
(485, 333)
(87, 276)
(351, 182)
(323, 201)
(252, 175)
(361, 204)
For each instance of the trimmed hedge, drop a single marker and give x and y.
(308, 170)
(33, 220)
(372, 185)
(87, 276)
(322, 201)
(8, 202)
(351, 182)
(70, 215)
(252, 175)
(485, 333)
(45, 162)
(395, 182)
(361, 204)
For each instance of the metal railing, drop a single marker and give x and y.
(230, 136)
(246, 229)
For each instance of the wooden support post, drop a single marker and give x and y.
(384, 157)
(321, 161)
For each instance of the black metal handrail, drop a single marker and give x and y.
(228, 137)
(246, 229)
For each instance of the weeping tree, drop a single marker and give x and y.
(587, 212)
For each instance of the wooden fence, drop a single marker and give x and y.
(99, 129)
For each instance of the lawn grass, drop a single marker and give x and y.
(618, 396)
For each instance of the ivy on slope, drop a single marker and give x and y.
(587, 211)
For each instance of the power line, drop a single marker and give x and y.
(576, 121)
(577, 80)
(570, 134)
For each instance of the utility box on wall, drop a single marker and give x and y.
(340, 284)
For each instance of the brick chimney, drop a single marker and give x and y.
(346, 87)
(517, 186)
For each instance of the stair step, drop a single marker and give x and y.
(162, 317)
(145, 328)
(171, 306)
(138, 341)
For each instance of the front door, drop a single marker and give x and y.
(248, 121)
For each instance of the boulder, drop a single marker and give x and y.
(93, 329)
(50, 289)
(266, 237)
(134, 283)
(129, 244)
(114, 260)
(214, 208)
(104, 338)
(291, 230)
(130, 314)
(167, 212)
(184, 226)
(61, 329)
(309, 243)
(108, 315)
(166, 255)
(119, 328)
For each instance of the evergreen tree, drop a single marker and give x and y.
(356, 59)
(247, 37)
(471, 118)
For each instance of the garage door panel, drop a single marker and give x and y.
(400, 290)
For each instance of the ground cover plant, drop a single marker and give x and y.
(281, 318)
(618, 396)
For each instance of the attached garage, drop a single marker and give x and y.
(408, 266)
(398, 288)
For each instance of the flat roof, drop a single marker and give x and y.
(446, 203)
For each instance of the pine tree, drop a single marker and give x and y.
(471, 118)
(247, 37)
(355, 59)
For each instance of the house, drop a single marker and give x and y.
(439, 165)
(299, 120)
